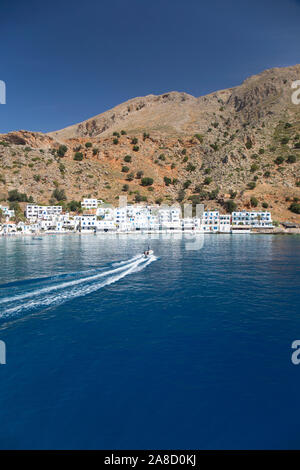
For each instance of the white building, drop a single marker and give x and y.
(142, 218)
(90, 203)
(120, 216)
(170, 218)
(7, 212)
(27, 228)
(104, 225)
(213, 222)
(39, 212)
(9, 228)
(254, 219)
(187, 224)
(136, 217)
(57, 223)
(88, 222)
(71, 224)
(105, 212)
(210, 221)
(225, 223)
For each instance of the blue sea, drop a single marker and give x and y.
(189, 349)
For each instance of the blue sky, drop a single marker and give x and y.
(65, 61)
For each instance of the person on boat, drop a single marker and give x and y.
(148, 252)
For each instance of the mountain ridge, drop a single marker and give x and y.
(114, 118)
(240, 144)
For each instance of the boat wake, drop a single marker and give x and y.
(63, 288)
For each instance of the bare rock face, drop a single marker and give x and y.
(265, 94)
(33, 139)
(149, 112)
(15, 138)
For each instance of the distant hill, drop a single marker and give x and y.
(241, 144)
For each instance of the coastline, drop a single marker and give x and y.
(274, 231)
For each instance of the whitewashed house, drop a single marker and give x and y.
(169, 218)
(210, 221)
(91, 203)
(70, 224)
(225, 223)
(88, 222)
(7, 212)
(105, 225)
(105, 212)
(120, 215)
(142, 218)
(9, 228)
(188, 224)
(254, 219)
(34, 212)
(27, 228)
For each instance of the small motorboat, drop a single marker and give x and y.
(148, 252)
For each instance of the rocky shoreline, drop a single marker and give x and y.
(279, 231)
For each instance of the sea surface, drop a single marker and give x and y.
(190, 348)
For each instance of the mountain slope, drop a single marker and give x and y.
(171, 113)
(242, 144)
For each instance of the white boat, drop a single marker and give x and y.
(148, 253)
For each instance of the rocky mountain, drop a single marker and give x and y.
(238, 147)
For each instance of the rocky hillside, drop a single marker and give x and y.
(233, 148)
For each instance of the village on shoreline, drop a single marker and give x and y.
(97, 217)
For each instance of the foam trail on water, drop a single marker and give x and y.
(58, 294)
(64, 285)
(53, 277)
(121, 263)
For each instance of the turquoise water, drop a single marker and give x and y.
(189, 349)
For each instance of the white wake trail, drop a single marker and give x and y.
(64, 285)
(121, 263)
(74, 289)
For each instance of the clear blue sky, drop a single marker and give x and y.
(65, 61)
